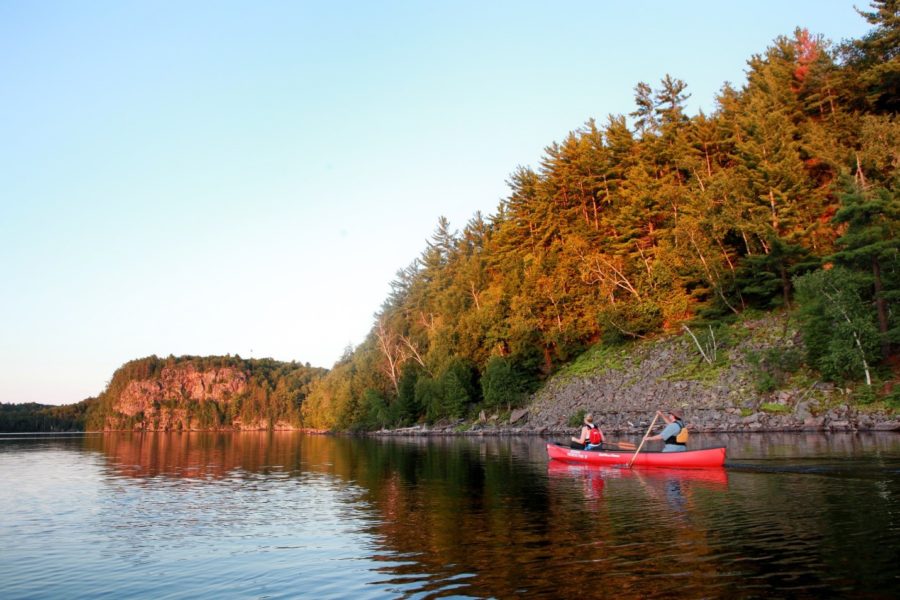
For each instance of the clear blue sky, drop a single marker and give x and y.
(247, 177)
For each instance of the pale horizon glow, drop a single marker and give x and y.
(212, 178)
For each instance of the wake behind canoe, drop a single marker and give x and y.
(689, 459)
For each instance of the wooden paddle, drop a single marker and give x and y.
(644, 439)
(619, 445)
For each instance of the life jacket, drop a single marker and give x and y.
(680, 438)
(595, 437)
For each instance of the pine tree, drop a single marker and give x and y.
(871, 246)
(875, 59)
(645, 115)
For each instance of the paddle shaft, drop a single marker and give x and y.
(644, 439)
(621, 445)
(618, 446)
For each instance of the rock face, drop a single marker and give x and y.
(169, 401)
(725, 396)
(671, 373)
(194, 393)
(181, 383)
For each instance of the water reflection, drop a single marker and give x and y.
(285, 515)
(491, 517)
(199, 455)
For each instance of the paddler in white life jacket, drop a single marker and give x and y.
(675, 433)
(591, 436)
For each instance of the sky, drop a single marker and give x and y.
(221, 177)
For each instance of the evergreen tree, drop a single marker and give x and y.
(501, 384)
(670, 100)
(621, 234)
(645, 114)
(765, 280)
(875, 59)
(839, 330)
(871, 247)
(408, 408)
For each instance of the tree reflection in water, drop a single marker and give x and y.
(491, 518)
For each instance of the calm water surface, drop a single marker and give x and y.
(285, 515)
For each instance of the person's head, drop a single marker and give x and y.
(589, 418)
(676, 412)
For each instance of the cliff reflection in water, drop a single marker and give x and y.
(199, 455)
(491, 517)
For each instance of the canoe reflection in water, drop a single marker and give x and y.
(670, 485)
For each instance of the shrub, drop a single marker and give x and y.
(502, 384)
(772, 367)
(577, 419)
(622, 322)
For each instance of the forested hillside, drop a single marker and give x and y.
(31, 416)
(203, 393)
(784, 197)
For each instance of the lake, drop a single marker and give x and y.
(287, 515)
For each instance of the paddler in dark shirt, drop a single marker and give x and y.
(674, 434)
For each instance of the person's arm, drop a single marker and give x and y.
(668, 431)
(585, 435)
(669, 419)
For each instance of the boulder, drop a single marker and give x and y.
(751, 419)
(814, 423)
(517, 415)
(801, 411)
(888, 426)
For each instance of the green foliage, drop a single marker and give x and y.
(35, 417)
(764, 280)
(865, 395)
(622, 234)
(705, 366)
(774, 408)
(838, 327)
(275, 392)
(450, 394)
(408, 408)
(873, 64)
(625, 322)
(765, 382)
(773, 366)
(699, 370)
(576, 419)
(502, 385)
(459, 388)
(376, 409)
(892, 399)
(597, 358)
(870, 247)
(430, 394)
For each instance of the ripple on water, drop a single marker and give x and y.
(463, 518)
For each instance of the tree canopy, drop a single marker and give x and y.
(623, 232)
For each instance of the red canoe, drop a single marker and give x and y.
(689, 459)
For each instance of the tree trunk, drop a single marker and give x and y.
(882, 310)
(785, 285)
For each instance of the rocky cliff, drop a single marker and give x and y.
(749, 376)
(203, 393)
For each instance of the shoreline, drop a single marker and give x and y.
(843, 419)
